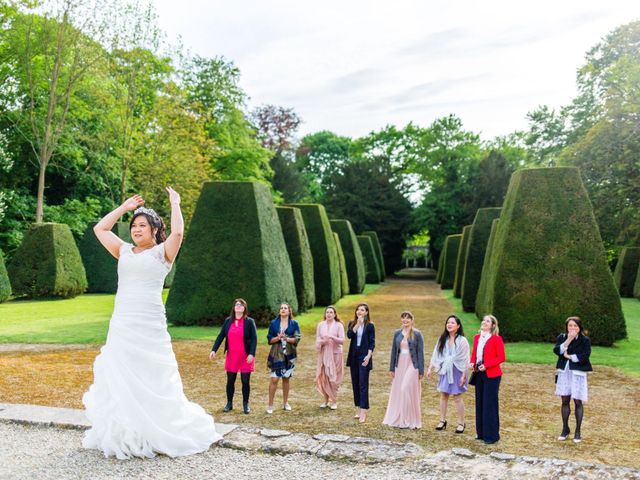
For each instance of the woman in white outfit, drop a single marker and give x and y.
(136, 405)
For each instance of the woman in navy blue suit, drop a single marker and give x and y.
(362, 333)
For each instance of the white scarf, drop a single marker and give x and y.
(482, 341)
(444, 362)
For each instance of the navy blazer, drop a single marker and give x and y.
(580, 346)
(368, 343)
(250, 336)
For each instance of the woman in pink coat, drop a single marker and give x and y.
(330, 370)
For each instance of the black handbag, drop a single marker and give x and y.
(472, 378)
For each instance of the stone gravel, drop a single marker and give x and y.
(37, 452)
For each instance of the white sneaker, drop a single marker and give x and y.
(287, 407)
(270, 409)
(324, 405)
(333, 406)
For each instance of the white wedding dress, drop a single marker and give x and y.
(136, 405)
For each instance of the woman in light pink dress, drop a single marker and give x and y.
(330, 370)
(407, 370)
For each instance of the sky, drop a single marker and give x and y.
(355, 66)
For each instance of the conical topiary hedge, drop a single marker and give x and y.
(461, 261)
(476, 250)
(548, 261)
(5, 284)
(370, 259)
(627, 270)
(344, 277)
(295, 237)
(352, 254)
(100, 266)
(47, 263)
(377, 248)
(234, 248)
(481, 296)
(451, 247)
(326, 265)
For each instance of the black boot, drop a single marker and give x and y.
(245, 406)
(228, 407)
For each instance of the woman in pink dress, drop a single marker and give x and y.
(407, 370)
(241, 339)
(329, 371)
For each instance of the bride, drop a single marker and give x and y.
(136, 405)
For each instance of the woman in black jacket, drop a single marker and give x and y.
(573, 349)
(241, 339)
(363, 340)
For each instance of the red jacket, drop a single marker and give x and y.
(493, 354)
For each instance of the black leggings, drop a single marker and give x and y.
(566, 412)
(245, 378)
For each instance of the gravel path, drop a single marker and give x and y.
(32, 452)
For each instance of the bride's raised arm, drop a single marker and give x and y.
(173, 241)
(102, 229)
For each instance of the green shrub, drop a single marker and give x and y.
(476, 250)
(441, 264)
(482, 303)
(377, 248)
(636, 287)
(47, 263)
(101, 267)
(370, 259)
(5, 284)
(352, 254)
(326, 266)
(461, 261)
(234, 248)
(450, 252)
(627, 270)
(548, 261)
(168, 280)
(295, 237)
(344, 277)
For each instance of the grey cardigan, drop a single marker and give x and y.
(416, 350)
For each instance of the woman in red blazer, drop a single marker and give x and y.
(486, 357)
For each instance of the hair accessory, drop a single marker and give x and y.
(151, 213)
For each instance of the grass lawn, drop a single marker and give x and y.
(625, 354)
(85, 319)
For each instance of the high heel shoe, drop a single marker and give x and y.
(442, 425)
(460, 428)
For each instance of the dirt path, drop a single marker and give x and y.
(529, 411)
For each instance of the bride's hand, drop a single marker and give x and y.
(132, 203)
(174, 197)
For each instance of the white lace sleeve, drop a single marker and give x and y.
(158, 253)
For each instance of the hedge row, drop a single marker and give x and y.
(440, 265)
(461, 261)
(627, 270)
(101, 267)
(548, 262)
(47, 263)
(477, 248)
(377, 248)
(352, 254)
(295, 237)
(450, 252)
(370, 259)
(5, 284)
(227, 255)
(326, 266)
(344, 277)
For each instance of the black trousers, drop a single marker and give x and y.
(360, 383)
(487, 407)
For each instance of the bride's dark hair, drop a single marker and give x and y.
(155, 221)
